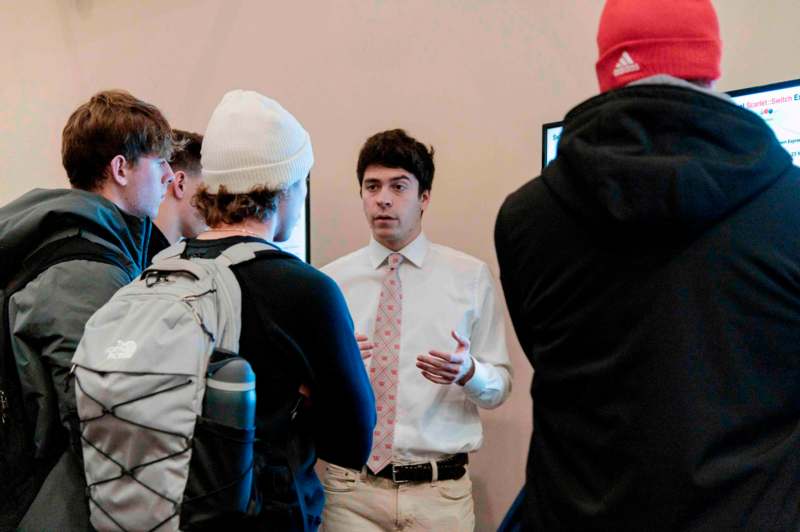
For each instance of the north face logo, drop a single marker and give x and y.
(625, 65)
(121, 350)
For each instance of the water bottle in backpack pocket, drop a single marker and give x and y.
(221, 470)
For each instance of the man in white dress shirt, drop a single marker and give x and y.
(432, 337)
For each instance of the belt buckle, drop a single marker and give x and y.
(394, 476)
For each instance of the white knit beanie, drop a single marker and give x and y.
(251, 140)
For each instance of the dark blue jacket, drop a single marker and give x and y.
(296, 329)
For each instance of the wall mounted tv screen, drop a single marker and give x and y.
(300, 242)
(777, 103)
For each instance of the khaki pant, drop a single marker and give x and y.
(355, 501)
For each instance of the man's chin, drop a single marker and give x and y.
(382, 233)
(387, 239)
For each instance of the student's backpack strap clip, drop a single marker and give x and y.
(229, 293)
(174, 265)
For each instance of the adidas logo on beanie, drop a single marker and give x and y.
(641, 38)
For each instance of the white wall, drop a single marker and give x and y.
(474, 78)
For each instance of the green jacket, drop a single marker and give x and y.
(47, 317)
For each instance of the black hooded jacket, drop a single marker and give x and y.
(652, 275)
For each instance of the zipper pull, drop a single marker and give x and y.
(296, 408)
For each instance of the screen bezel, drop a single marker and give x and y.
(763, 88)
(734, 93)
(308, 223)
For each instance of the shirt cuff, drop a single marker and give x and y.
(479, 380)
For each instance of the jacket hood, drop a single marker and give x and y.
(40, 213)
(654, 156)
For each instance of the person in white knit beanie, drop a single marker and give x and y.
(256, 158)
(313, 396)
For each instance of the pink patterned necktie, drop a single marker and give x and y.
(383, 369)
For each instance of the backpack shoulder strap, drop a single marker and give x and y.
(173, 251)
(69, 245)
(243, 252)
(229, 292)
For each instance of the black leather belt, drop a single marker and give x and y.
(449, 469)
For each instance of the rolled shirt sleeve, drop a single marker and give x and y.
(490, 385)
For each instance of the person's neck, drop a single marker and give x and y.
(263, 230)
(168, 224)
(111, 193)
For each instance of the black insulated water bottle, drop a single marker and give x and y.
(230, 400)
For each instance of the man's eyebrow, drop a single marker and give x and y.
(401, 177)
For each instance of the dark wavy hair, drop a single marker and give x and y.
(111, 123)
(188, 157)
(396, 149)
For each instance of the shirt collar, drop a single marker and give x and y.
(415, 252)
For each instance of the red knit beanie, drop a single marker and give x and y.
(641, 38)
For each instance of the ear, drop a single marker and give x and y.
(178, 185)
(119, 170)
(424, 199)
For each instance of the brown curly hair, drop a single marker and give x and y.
(232, 208)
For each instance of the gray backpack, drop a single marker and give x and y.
(140, 378)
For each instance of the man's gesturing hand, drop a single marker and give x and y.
(447, 368)
(364, 345)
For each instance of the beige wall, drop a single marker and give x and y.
(474, 78)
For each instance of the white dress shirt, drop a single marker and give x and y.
(443, 289)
